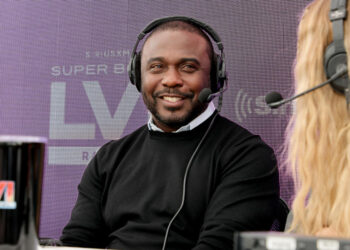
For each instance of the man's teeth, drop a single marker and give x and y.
(171, 98)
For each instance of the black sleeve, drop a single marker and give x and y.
(245, 198)
(86, 227)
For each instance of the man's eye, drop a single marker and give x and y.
(189, 68)
(156, 67)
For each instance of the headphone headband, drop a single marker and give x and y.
(218, 77)
(335, 54)
(155, 23)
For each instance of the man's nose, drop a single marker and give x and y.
(172, 78)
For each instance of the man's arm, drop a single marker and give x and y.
(245, 199)
(86, 227)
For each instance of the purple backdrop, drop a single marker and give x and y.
(63, 76)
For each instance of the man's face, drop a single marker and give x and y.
(175, 67)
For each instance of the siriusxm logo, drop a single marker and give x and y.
(246, 105)
(7, 195)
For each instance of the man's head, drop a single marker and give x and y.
(186, 26)
(175, 66)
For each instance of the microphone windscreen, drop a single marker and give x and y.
(273, 97)
(204, 94)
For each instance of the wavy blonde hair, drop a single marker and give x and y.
(318, 135)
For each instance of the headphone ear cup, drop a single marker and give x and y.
(221, 73)
(137, 71)
(131, 70)
(214, 74)
(335, 56)
(218, 73)
(134, 71)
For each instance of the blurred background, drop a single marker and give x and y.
(63, 76)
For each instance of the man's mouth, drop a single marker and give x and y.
(171, 98)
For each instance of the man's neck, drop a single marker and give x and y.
(191, 125)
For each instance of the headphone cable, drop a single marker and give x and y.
(185, 180)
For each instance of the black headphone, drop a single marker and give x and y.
(218, 71)
(335, 55)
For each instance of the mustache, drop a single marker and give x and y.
(173, 92)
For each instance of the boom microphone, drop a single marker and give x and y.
(275, 99)
(272, 98)
(206, 95)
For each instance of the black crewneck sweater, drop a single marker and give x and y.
(133, 187)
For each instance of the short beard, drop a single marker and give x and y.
(174, 122)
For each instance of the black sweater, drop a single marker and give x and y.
(133, 186)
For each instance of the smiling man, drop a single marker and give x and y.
(175, 67)
(188, 178)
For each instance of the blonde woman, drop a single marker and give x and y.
(318, 141)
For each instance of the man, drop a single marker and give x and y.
(189, 174)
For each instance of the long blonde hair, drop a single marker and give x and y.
(318, 135)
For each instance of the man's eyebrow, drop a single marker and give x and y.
(153, 59)
(190, 60)
(182, 60)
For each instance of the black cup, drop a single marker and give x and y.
(21, 171)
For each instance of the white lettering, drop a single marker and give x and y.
(67, 73)
(126, 53)
(78, 68)
(60, 130)
(102, 68)
(55, 71)
(263, 108)
(118, 68)
(70, 155)
(111, 127)
(90, 69)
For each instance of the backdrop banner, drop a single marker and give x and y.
(63, 77)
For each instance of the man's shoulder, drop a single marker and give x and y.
(233, 135)
(128, 139)
(232, 128)
(234, 142)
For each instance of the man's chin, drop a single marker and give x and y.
(173, 120)
(175, 117)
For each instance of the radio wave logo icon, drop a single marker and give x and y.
(243, 105)
(7, 195)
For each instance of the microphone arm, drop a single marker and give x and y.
(206, 95)
(342, 70)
